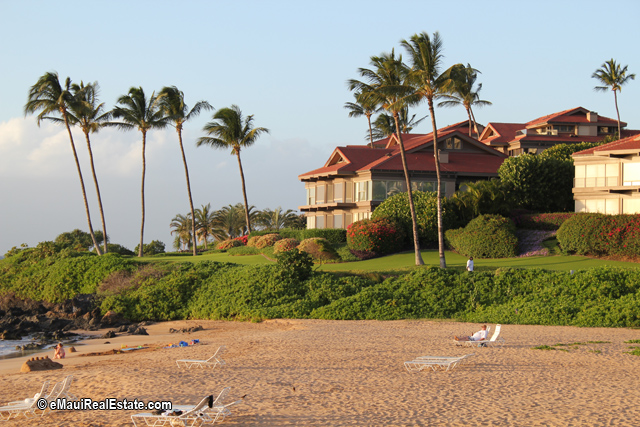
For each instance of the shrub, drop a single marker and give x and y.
(228, 244)
(252, 241)
(294, 265)
(487, 236)
(320, 249)
(378, 236)
(119, 249)
(267, 240)
(284, 245)
(544, 221)
(600, 234)
(243, 239)
(396, 208)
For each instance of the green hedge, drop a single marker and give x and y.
(487, 236)
(600, 234)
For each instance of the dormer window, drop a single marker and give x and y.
(453, 144)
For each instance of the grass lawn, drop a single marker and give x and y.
(406, 261)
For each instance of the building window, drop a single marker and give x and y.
(338, 194)
(311, 222)
(566, 128)
(362, 191)
(320, 192)
(385, 189)
(337, 221)
(311, 197)
(630, 173)
(604, 129)
(453, 144)
(320, 221)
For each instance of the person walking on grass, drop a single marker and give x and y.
(470, 264)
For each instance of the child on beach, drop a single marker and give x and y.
(59, 354)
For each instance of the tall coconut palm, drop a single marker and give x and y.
(463, 93)
(364, 106)
(136, 111)
(384, 125)
(386, 83)
(171, 102)
(229, 129)
(612, 76)
(50, 98)
(426, 60)
(90, 116)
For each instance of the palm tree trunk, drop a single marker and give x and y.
(615, 97)
(95, 181)
(370, 129)
(144, 169)
(193, 214)
(244, 193)
(414, 221)
(443, 262)
(475, 124)
(84, 192)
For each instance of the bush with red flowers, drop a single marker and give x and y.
(228, 244)
(267, 240)
(600, 234)
(374, 237)
(284, 245)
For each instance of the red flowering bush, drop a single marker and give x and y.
(228, 244)
(242, 239)
(600, 234)
(375, 237)
(284, 245)
(267, 240)
(319, 248)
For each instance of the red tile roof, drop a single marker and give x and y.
(628, 143)
(569, 116)
(504, 132)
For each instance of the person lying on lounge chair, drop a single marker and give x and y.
(478, 336)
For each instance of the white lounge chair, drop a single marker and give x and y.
(61, 390)
(495, 339)
(218, 409)
(24, 407)
(209, 363)
(191, 417)
(435, 362)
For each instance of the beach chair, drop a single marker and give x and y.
(192, 417)
(24, 407)
(435, 363)
(217, 411)
(495, 339)
(209, 363)
(63, 389)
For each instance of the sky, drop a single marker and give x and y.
(285, 62)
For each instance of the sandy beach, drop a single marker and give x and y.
(351, 373)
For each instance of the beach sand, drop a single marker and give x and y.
(351, 373)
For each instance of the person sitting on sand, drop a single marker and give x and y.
(59, 354)
(478, 336)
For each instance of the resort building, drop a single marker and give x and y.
(357, 178)
(566, 127)
(607, 178)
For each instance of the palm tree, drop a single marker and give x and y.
(612, 76)
(89, 115)
(384, 125)
(171, 102)
(136, 111)
(49, 97)
(426, 58)
(364, 106)
(231, 130)
(386, 84)
(464, 94)
(276, 219)
(206, 224)
(230, 219)
(182, 226)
